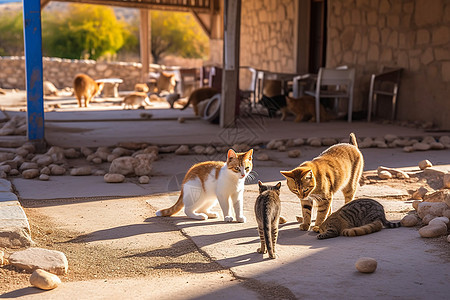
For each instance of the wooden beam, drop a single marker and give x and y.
(32, 33)
(230, 78)
(202, 24)
(302, 38)
(44, 3)
(145, 43)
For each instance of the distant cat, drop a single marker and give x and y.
(267, 212)
(172, 98)
(304, 109)
(165, 82)
(85, 86)
(141, 87)
(207, 182)
(198, 96)
(136, 98)
(340, 166)
(359, 217)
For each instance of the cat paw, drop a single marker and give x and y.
(241, 219)
(228, 219)
(273, 256)
(212, 215)
(304, 227)
(282, 220)
(322, 236)
(315, 228)
(299, 219)
(261, 251)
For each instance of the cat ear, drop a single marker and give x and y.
(278, 186)
(249, 154)
(287, 174)
(260, 183)
(231, 154)
(309, 175)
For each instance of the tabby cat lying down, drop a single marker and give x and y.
(358, 217)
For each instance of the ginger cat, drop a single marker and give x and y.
(358, 217)
(135, 98)
(304, 109)
(198, 96)
(166, 82)
(267, 212)
(340, 166)
(85, 86)
(141, 87)
(207, 182)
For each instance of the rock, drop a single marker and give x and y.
(27, 166)
(446, 213)
(329, 141)
(410, 220)
(123, 165)
(438, 196)
(44, 160)
(181, 120)
(437, 220)
(419, 194)
(421, 146)
(86, 151)
(427, 219)
(445, 139)
(315, 142)
(408, 149)
(5, 168)
(44, 177)
(99, 173)
(113, 178)
(433, 208)
(262, 157)
(425, 164)
(210, 150)
(57, 154)
(397, 173)
(384, 175)
(57, 170)
(90, 157)
(15, 237)
(380, 144)
(49, 88)
(274, 144)
(97, 160)
(81, 171)
(30, 174)
(448, 238)
(290, 143)
(2, 258)
(294, 153)
(428, 139)
(366, 143)
(143, 164)
(132, 145)
(300, 141)
(431, 231)
(119, 151)
(446, 181)
(112, 157)
(282, 148)
(14, 172)
(182, 150)
(71, 153)
(198, 149)
(432, 171)
(44, 280)
(400, 142)
(390, 138)
(22, 152)
(147, 150)
(6, 156)
(437, 146)
(37, 258)
(366, 265)
(168, 149)
(144, 179)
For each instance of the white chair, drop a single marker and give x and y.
(385, 83)
(249, 92)
(334, 83)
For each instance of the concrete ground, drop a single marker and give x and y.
(409, 267)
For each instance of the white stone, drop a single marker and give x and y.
(81, 171)
(315, 142)
(300, 141)
(329, 141)
(99, 173)
(86, 151)
(44, 177)
(123, 165)
(71, 153)
(113, 178)
(428, 140)
(262, 157)
(15, 233)
(425, 164)
(97, 160)
(144, 179)
(2, 258)
(57, 154)
(390, 137)
(437, 220)
(143, 164)
(274, 144)
(408, 149)
(421, 146)
(44, 280)
(198, 149)
(294, 153)
(445, 139)
(182, 150)
(433, 208)
(28, 166)
(384, 175)
(30, 174)
(427, 219)
(57, 170)
(45, 160)
(366, 265)
(431, 231)
(410, 220)
(210, 150)
(437, 146)
(46, 171)
(37, 258)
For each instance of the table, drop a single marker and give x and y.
(111, 87)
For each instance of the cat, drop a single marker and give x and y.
(207, 182)
(135, 98)
(339, 166)
(199, 95)
(85, 86)
(267, 212)
(172, 98)
(141, 87)
(358, 217)
(166, 82)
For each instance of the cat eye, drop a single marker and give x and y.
(237, 168)
(305, 190)
(247, 168)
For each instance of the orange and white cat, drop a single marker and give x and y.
(208, 182)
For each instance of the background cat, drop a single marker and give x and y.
(207, 182)
(199, 95)
(339, 166)
(135, 98)
(85, 86)
(267, 212)
(359, 217)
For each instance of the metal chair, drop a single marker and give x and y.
(249, 92)
(330, 83)
(189, 80)
(385, 83)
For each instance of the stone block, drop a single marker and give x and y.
(372, 18)
(428, 12)
(427, 57)
(422, 37)
(441, 54)
(374, 53)
(446, 71)
(37, 258)
(393, 21)
(441, 36)
(374, 35)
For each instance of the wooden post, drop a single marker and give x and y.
(32, 33)
(230, 78)
(145, 43)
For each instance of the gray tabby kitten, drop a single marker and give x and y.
(267, 211)
(358, 217)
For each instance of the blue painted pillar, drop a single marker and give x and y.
(33, 71)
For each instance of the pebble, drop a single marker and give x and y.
(44, 160)
(81, 171)
(425, 164)
(44, 280)
(431, 231)
(274, 144)
(419, 194)
(181, 120)
(426, 220)
(262, 157)
(433, 208)
(428, 139)
(448, 238)
(437, 220)
(44, 177)
(294, 153)
(384, 175)
(57, 170)
(410, 220)
(113, 178)
(198, 149)
(97, 160)
(282, 148)
(99, 173)
(86, 151)
(210, 150)
(38, 258)
(366, 265)
(408, 149)
(329, 141)
(27, 166)
(445, 139)
(315, 142)
(437, 146)
(14, 172)
(144, 179)
(421, 146)
(112, 157)
(71, 153)
(390, 138)
(300, 141)
(182, 150)
(30, 174)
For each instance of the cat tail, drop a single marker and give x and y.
(365, 229)
(353, 140)
(187, 104)
(267, 228)
(173, 209)
(388, 224)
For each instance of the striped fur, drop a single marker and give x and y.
(337, 168)
(359, 217)
(267, 212)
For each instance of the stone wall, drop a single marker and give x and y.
(412, 34)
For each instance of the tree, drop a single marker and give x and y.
(11, 34)
(83, 31)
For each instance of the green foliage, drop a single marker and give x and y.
(11, 34)
(83, 31)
